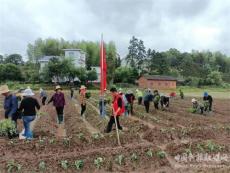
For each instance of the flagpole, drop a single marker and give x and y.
(102, 77)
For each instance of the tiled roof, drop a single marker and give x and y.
(158, 77)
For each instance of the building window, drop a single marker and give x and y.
(166, 84)
(159, 84)
(71, 54)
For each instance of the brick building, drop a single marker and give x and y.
(157, 82)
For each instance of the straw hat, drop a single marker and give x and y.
(58, 87)
(194, 100)
(129, 92)
(4, 89)
(119, 90)
(28, 92)
(82, 87)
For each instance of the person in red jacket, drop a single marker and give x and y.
(118, 110)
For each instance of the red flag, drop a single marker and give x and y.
(103, 66)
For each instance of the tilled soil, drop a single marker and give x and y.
(154, 139)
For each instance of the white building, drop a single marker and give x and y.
(77, 55)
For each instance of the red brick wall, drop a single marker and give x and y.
(142, 82)
(156, 84)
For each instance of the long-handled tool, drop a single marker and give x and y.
(118, 137)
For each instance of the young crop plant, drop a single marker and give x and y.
(41, 140)
(120, 159)
(12, 166)
(52, 141)
(42, 166)
(188, 150)
(64, 164)
(66, 142)
(149, 153)
(7, 127)
(79, 164)
(161, 154)
(212, 147)
(98, 162)
(134, 157)
(96, 136)
(81, 136)
(200, 147)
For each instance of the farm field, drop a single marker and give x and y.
(161, 141)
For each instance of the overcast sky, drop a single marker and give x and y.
(161, 24)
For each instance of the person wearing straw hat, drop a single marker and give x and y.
(58, 100)
(10, 103)
(197, 106)
(28, 105)
(83, 100)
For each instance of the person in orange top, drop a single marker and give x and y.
(118, 110)
(82, 99)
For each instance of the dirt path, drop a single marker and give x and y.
(90, 128)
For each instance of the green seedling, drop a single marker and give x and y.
(41, 140)
(64, 164)
(66, 142)
(96, 136)
(98, 162)
(79, 164)
(134, 157)
(42, 166)
(7, 127)
(11, 142)
(120, 159)
(13, 166)
(161, 154)
(212, 147)
(188, 151)
(149, 153)
(200, 147)
(81, 136)
(52, 141)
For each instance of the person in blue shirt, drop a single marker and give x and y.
(10, 103)
(148, 97)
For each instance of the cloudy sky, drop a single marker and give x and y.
(161, 24)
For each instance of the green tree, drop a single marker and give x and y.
(111, 59)
(14, 59)
(92, 75)
(125, 75)
(30, 72)
(131, 58)
(11, 72)
(214, 78)
(1, 59)
(137, 54)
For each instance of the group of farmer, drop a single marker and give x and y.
(24, 106)
(202, 106)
